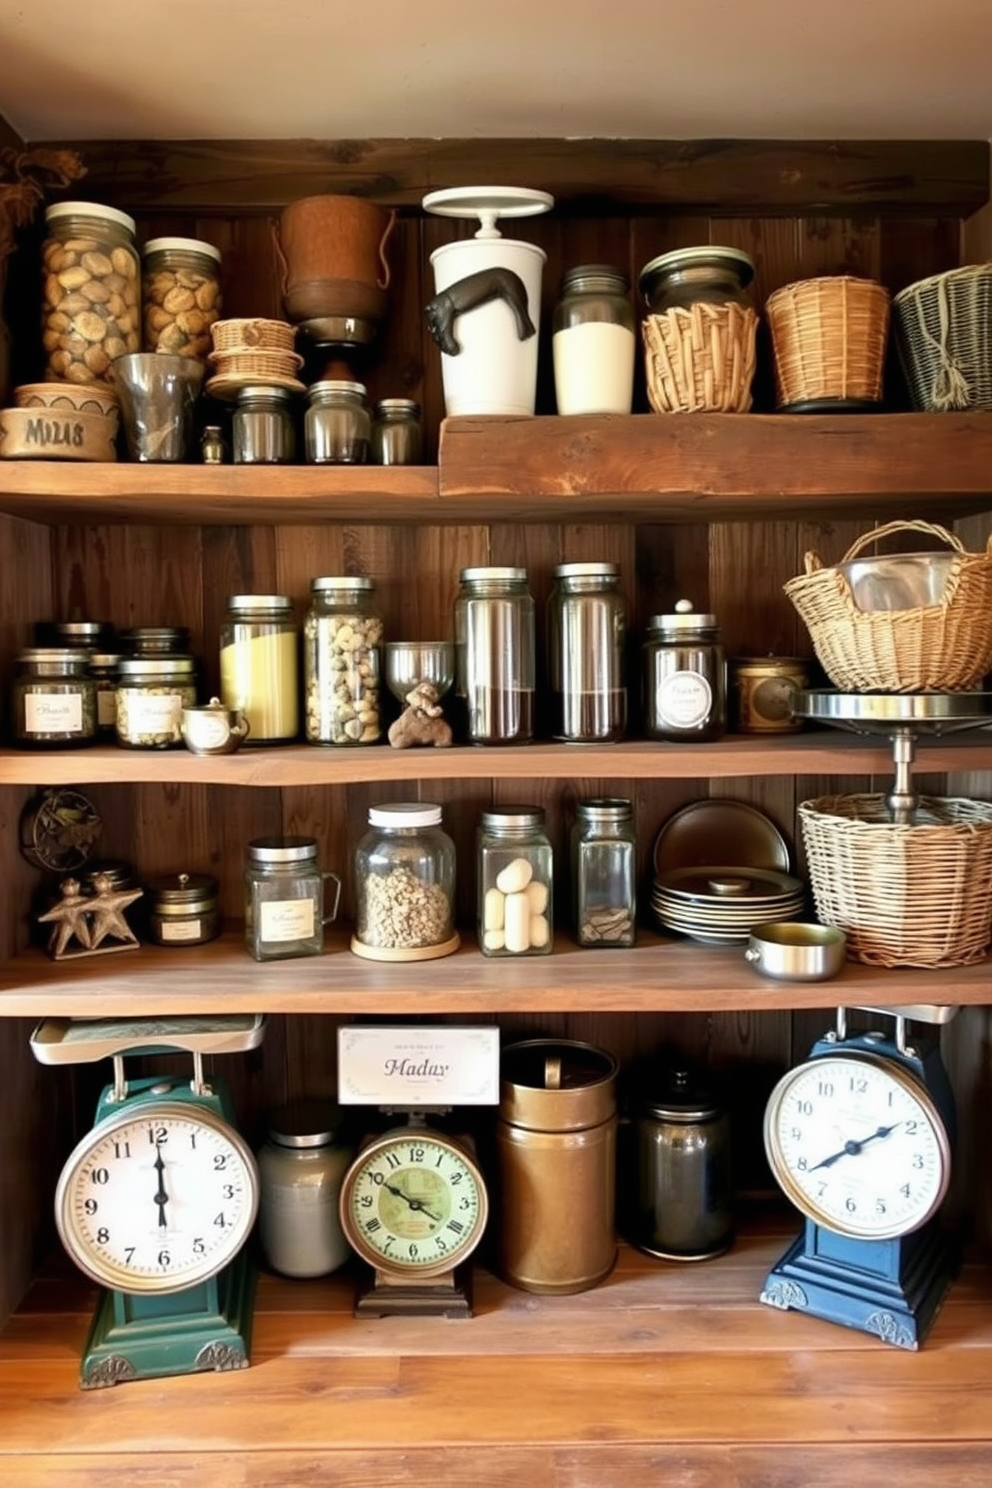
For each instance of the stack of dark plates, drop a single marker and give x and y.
(719, 905)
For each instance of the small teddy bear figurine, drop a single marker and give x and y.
(422, 720)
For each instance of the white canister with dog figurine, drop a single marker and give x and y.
(486, 312)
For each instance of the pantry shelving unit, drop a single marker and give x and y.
(674, 1374)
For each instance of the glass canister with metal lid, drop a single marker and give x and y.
(301, 1167)
(53, 699)
(285, 911)
(342, 662)
(587, 632)
(259, 665)
(495, 655)
(685, 684)
(515, 863)
(152, 692)
(604, 883)
(397, 432)
(92, 298)
(708, 275)
(675, 1193)
(594, 341)
(337, 425)
(405, 885)
(183, 909)
(262, 431)
(700, 333)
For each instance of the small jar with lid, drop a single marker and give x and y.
(604, 885)
(342, 662)
(262, 430)
(285, 898)
(515, 863)
(156, 640)
(405, 885)
(300, 1168)
(103, 670)
(259, 665)
(337, 427)
(91, 307)
(397, 432)
(495, 655)
(181, 296)
(587, 636)
(685, 685)
(707, 275)
(53, 699)
(594, 341)
(213, 445)
(183, 909)
(152, 692)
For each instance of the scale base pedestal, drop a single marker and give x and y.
(897, 1305)
(205, 1328)
(442, 1296)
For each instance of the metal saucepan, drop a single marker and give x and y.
(792, 951)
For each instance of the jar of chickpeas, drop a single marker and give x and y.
(181, 292)
(91, 312)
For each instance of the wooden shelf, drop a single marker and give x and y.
(819, 752)
(659, 974)
(662, 1374)
(708, 467)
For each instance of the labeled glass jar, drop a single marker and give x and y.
(53, 698)
(181, 296)
(300, 1168)
(91, 303)
(337, 427)
(342, 662)
(405, 885)
(494, 655)
(594, 341)
(587, 636)
(183, 909)
(103, 670)
(604, 888)
(262, 431)
(285, 910)
(152, 692)
(685, 684)
(397, 432)
(259, 665)
(514, 872)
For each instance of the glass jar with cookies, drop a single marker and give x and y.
(91, 312)
(181, 296)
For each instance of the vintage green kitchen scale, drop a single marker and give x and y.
(156, 1202)
(859, 1137)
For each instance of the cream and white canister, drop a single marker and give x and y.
(486, 312)
(300, 1168)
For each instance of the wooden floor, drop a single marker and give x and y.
(665, 1375)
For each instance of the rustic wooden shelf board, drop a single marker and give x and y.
(820, 752)
(659, 974)
(664, 1368)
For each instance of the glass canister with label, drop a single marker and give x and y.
(259, 670)
(495, 655)
(285, 910)
(152, 692)
(515, 882)
(685, 684)
(300, 1169)
(587, 630)
(405, 885)
(342, 662)
(53, 699)
(603, 872)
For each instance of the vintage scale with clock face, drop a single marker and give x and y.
(859, 1138)
(156, 1202)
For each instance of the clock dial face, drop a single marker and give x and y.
(157, 1198)
(858, 1145)
(414, 1203)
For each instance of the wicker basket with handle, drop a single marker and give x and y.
(915, 894)
(828, 339)
(700, 358)
(938, 647)
(943, 334)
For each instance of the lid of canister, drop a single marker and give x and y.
(586, 570)
(557, 1084)
(105, 660)
(55, 655)
(680, 1095)
(397, 405)
(156, 666)
(473, 575)
(120, 873)
(282, 849)
(72, 632)
(259, 602)
(307, 1122)
(604, 809)
(182, 888)
(353, 582)
(258, 392)
(88, 209)
(513, 816)
(318, 390)
(156, 637)
(606, 274)
(684, 618)
(706, 255)
(181, 245)
(405, 814)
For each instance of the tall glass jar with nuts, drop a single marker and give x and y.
(181, 294)
(342, 662)
(91, 311)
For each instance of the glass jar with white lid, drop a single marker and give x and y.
(405, 885)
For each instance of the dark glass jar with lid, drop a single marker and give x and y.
(587, 633)
(685, 685)
(337, 426)
(183, 909)
(594, 341)
(689, 276)
(675, 1193)
(397, 432)
(604, 884)
(53, 699)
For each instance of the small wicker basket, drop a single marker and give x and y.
(828, 339)
(260, 364)
(701, 359)
(252, 335)
(905, 895)
(939, 647)
(943, 333)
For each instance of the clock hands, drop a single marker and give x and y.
(416, 1204)
(161, 1198)
(851, 1148)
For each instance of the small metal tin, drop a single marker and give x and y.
(763, 689)
(183, 909)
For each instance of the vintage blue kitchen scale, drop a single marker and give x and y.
(155, 1203)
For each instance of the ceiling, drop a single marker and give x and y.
(648, 69)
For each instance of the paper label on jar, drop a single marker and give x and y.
(153, 714)
(684, 700)
(287, 919)
(171, 930)
(106, 707)
(208, 733)
(53, 713)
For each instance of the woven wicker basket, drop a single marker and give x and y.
(700, 359)
(906, 895)
(828, 339)
(259, 364)
(253, 335)
(937, 647)
(943, 333)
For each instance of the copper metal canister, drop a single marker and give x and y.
(556, 1145)
(761, 691)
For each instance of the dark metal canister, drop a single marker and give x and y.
(762, 689)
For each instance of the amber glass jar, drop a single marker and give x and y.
(91, 308)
